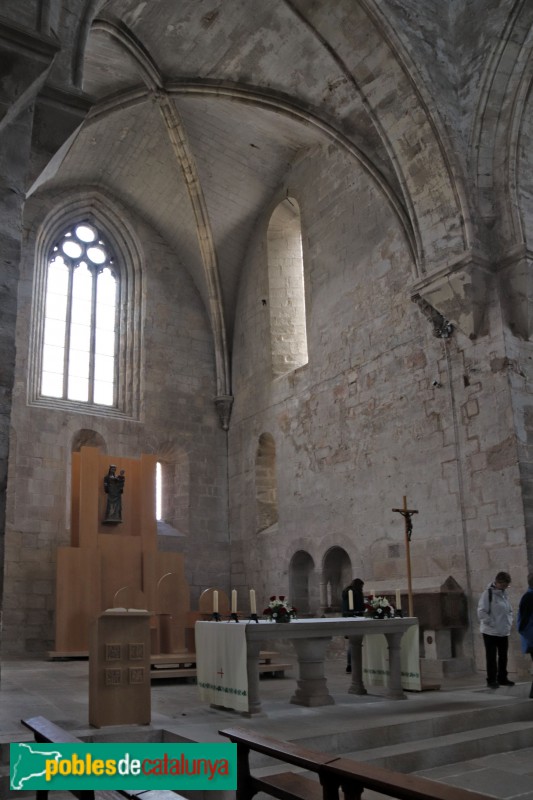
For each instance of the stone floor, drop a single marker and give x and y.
(463, 734)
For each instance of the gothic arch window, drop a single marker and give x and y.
(79, 354)
(86, 332)
(286, 288)
(265, 483)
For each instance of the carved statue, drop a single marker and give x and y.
(113, 487)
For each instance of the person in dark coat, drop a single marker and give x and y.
(358, 608)
(525, 621)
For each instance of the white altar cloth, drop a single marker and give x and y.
(376, 671)
(228, 652)
(221, 664)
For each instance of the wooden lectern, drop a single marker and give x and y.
(119, 669)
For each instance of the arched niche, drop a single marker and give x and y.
(336, 574)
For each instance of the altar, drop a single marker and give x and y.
(227, 656)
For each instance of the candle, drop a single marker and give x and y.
(253, 607)
(350, 599)
(398, 599)
(234, 601)
(215, 602)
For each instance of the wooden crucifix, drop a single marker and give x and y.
(407, 513)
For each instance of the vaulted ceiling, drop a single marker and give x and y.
(200, 107)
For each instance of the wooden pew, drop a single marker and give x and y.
(334, 773)
(45, 731)
(285, 785)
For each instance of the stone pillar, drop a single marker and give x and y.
(356, 647)
(394, 642)
(312, 686)
(252, 667)
(35, 119)
(28, 57)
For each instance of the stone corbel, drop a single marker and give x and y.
(58, 115)
(515, 280)
(30, 56)
(455, 295)
(224, 404)
(442, 328)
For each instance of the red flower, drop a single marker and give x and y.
(273, 597)
(282, 597)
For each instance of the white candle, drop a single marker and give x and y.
(398, 599)
(253, 607)
(215, 602)
(350, 599)
(234, 601)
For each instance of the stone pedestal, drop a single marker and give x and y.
(437, 644)
(312, 685)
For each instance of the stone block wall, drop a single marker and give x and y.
(383, 409)
(177, 421)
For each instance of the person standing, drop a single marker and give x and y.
(495, 615)
(356, 586)
(525, 621)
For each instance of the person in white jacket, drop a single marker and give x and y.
(495, 615)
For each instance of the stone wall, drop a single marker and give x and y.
(434, 100)
(178, 422)
(383, 409)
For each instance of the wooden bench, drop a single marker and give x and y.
(285, 785)
(183, 665)
(45, 731)
(333, 774)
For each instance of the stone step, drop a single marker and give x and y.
(422, 754)
(425, 757)
(423, 732)
(380, 732)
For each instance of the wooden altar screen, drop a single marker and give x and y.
(117, 565)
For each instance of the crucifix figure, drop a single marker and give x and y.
(407, 513)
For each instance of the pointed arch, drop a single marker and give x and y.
(94, 210)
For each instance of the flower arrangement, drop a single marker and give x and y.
(378, 607)
(279, 609)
